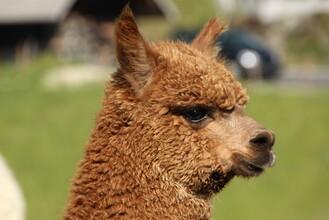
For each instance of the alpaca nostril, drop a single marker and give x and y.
(260, 140)
(263, 139)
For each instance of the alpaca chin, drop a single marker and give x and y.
(216, 181)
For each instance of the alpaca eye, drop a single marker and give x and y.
(195, 114)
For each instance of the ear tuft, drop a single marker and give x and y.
(207, 37)
(134, 55)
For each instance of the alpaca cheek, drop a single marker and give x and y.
(225, 140)
(225, 134)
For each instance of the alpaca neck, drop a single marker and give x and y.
(111, 185)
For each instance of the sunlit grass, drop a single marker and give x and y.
(42, 135)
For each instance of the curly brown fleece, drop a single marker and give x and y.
(171, 132)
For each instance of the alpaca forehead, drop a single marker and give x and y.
(186, 60)
(179, 53)
(193, 73)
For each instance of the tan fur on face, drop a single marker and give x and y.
(145, 158)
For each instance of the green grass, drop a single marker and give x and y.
(192, 16)
(309, 42)
(43, 133)
(307, 48)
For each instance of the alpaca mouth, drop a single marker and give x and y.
(257, 169)
(247, 169)
(253, 167)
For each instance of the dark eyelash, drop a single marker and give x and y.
(194, 114)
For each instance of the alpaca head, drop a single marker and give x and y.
(184, 111)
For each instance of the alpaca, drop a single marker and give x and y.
(171, 132)
(12, 205)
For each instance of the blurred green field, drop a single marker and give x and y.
(43, 133)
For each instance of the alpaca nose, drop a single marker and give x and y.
(264, 139)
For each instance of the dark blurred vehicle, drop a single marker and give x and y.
(248, 51)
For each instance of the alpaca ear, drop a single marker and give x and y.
(205, 40)
(134, 55)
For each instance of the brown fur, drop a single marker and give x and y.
(146, 158)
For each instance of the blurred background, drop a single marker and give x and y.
(55, 57)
